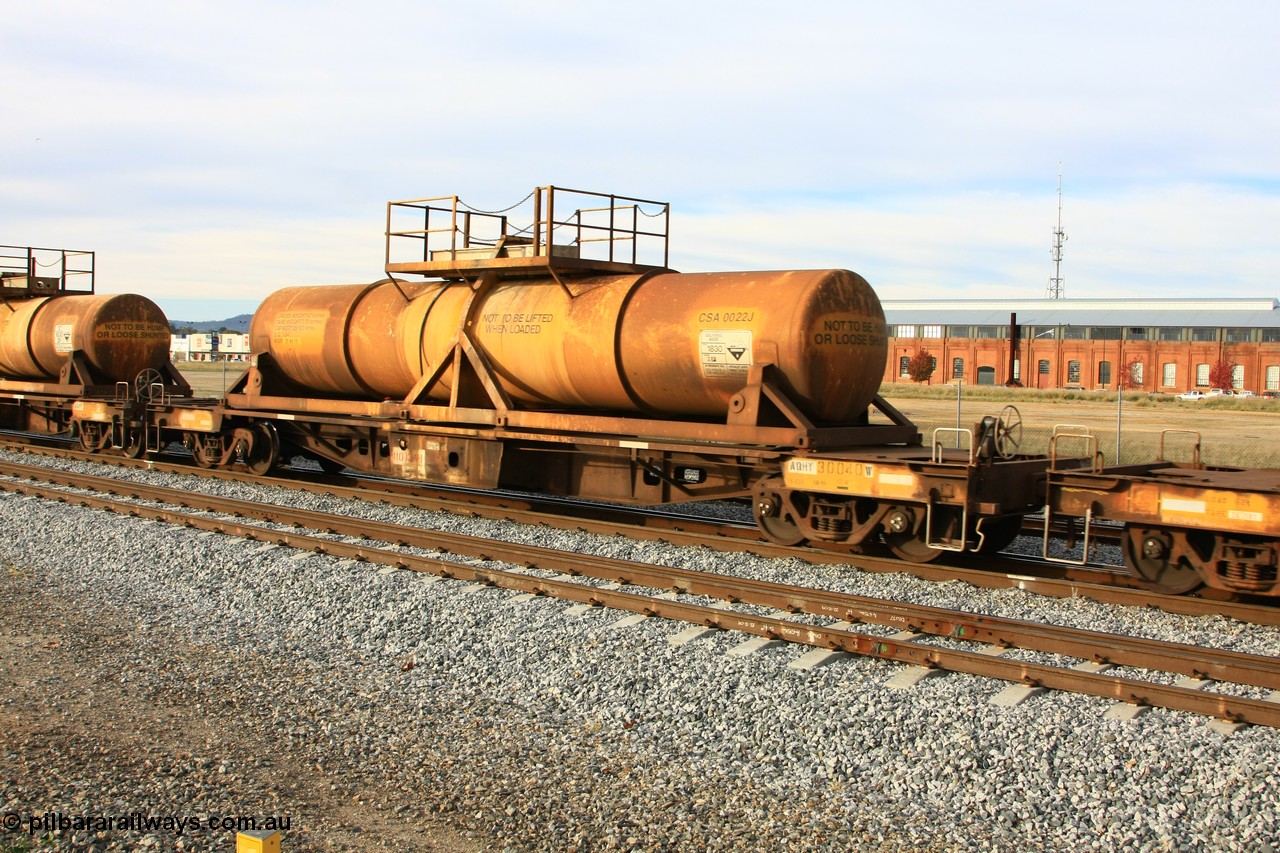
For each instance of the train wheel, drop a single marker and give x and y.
(1156, 558)
(771, 513)
(264, 449)
(911, 547)
(905, 536)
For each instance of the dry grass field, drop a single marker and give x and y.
(210, 379)
(1242, 432)
(1232, 432)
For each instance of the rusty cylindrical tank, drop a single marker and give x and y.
(343, 339)
(120, 335)
(666, 343)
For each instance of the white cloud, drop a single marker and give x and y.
(232, 147)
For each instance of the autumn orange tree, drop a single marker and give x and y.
(1130, 375)
(921, 366)
(1220, 373)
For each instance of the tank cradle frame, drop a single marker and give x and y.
(103, 415)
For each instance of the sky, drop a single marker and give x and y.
(212, 152)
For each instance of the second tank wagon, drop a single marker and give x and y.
(661, 343)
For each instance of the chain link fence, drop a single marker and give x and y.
(1138, 428)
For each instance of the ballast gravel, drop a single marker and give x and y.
(383, 710)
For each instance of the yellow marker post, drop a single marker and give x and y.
(258, 841)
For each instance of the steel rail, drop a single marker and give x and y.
(1220, 665)
(1003, 573)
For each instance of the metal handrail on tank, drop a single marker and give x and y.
(36, 271)
(450, 231)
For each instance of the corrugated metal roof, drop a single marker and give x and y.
(1242, 313)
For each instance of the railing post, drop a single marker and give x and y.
(537, 220)
(551, 217)
(386, 258)
(613, 206)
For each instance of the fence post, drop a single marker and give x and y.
(959, 383)
(1119, 418)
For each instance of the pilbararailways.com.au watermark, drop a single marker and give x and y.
(173, 824)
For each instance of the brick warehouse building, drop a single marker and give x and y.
(1167, 345)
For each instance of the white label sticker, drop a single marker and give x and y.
(724, 352)
(62, 337)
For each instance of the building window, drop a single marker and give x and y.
(1270, 336)
(989, 332)
(1204, 333)
(986, 375)
(1073, 372)
(1044, 367)
(1073, 333)
(1104, 373)
(1135, 375)
(906, 331)
(932, 332)
(904, 365)
(1170, 333)
(1136, 334)
(1273, 377)
(957, 331)
(1170, 379)
(957, 368)
(1238, 336)
(1237, 376)
(1202, 376)
(1105, 333)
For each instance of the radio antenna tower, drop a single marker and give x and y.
(1059, 237)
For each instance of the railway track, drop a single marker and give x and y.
(1110, 585)
(934, 639)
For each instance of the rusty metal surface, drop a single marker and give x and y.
(339, 339)
(670, 343)
(1057, 580)
(550, 229)
(1185, 525)
(119, 336)
(1240, 501)
(1244, 669)
(687, 335)
(36, 271)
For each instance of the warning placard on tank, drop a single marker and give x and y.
(62, 337)
(724, 352)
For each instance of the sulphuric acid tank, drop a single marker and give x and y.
(119, 335)
(662, 343)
